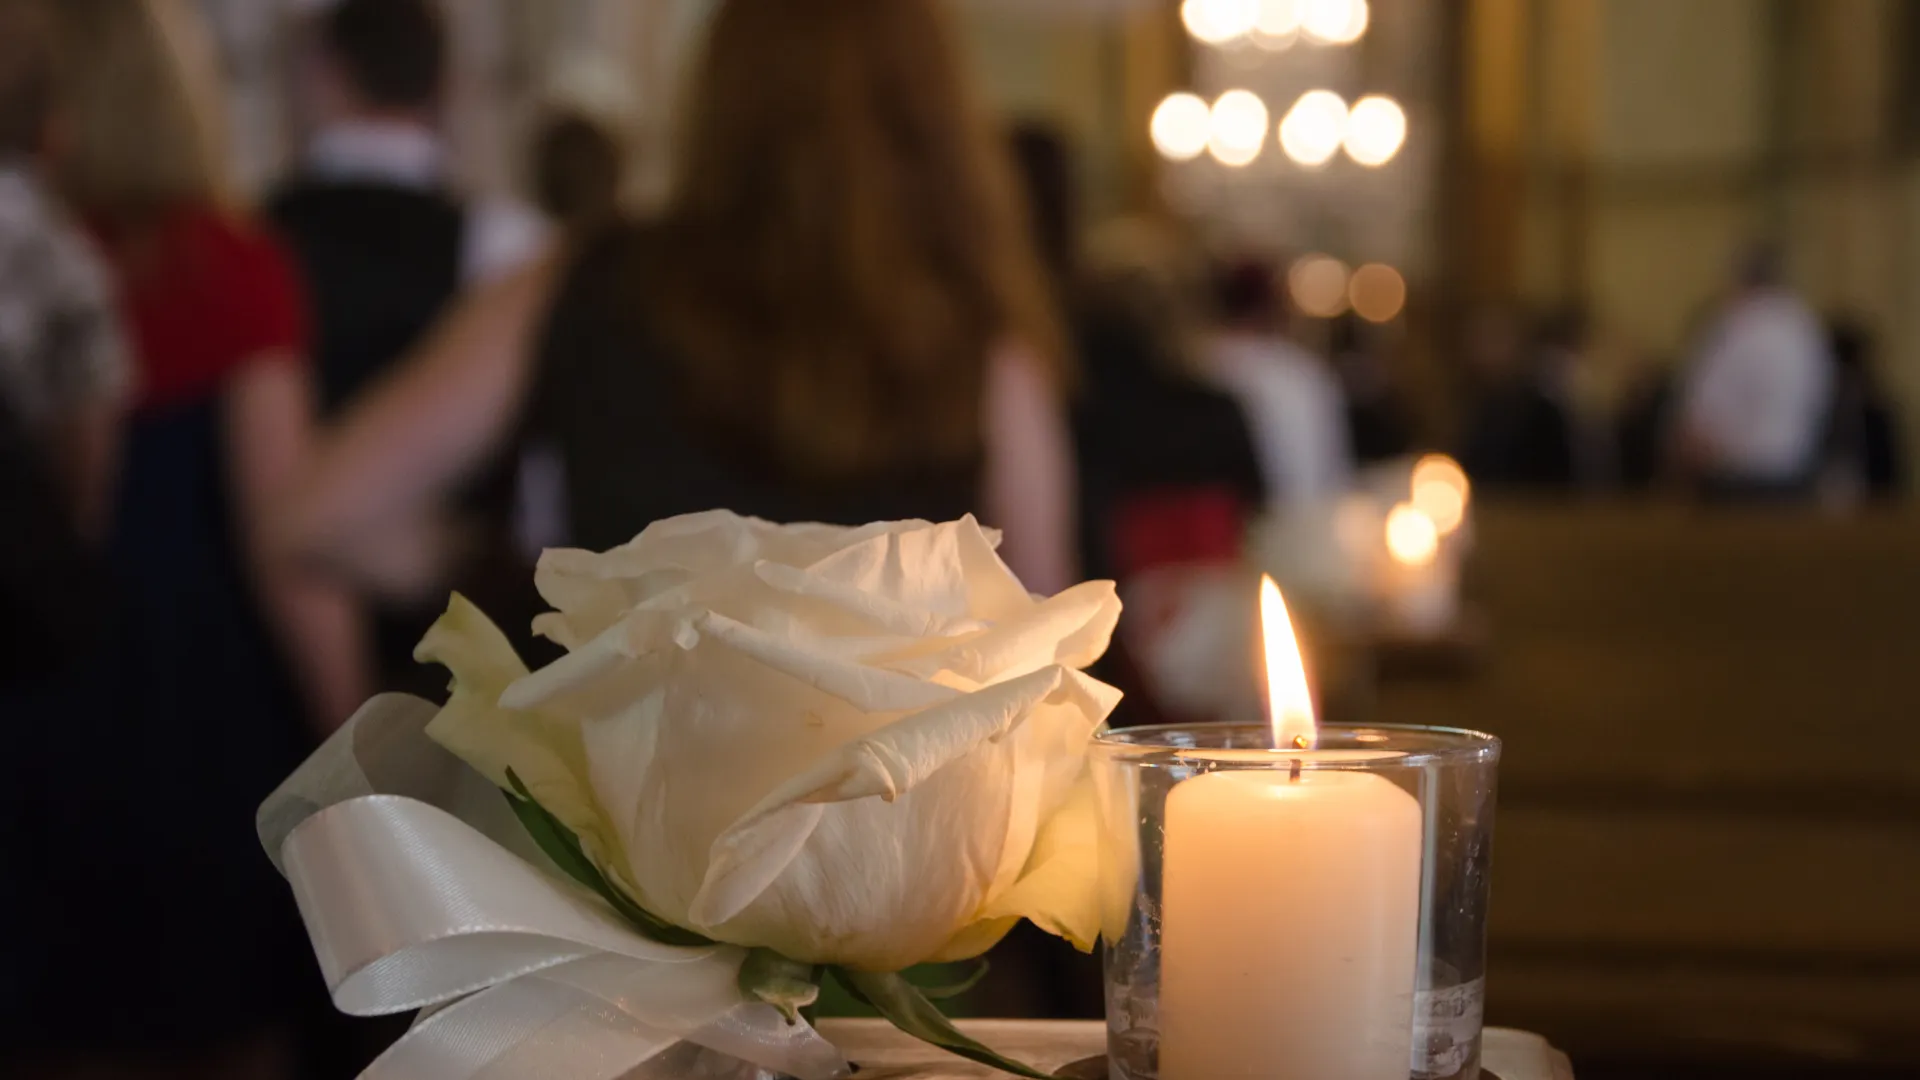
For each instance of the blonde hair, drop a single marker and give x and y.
(136, 94)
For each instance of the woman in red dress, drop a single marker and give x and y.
(150, 767)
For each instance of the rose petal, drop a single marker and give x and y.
(775, 848)
(543, 751)
(1060, 890)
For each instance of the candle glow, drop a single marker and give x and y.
(1289, 702)
(1440, 490)
(1413, 538)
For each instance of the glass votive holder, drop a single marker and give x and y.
(1295, 914)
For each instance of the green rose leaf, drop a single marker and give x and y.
(955, 989)
(908, 1009)
(563, 847)
(787, 985)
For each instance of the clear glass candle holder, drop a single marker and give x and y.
(1295, 914)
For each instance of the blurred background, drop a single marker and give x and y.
(1559, 357)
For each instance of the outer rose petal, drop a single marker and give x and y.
(545, 753)
(1060, 890)
(789, 855)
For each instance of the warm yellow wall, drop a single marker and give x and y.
(1097, 78)
(1666, 135)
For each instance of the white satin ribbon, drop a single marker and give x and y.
(521, 975)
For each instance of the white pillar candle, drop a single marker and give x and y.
(1289, 919)
(1289, 909)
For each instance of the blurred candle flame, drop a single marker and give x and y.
(1413, 539)
(1440, 491)
(1289, 703)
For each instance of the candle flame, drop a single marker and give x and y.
(1412, 537)
(1289, 704)
(1440, 490)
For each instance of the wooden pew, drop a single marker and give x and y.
(1709, 834)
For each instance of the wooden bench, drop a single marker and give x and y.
(1709, 832)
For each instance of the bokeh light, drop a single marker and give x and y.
(1318, 285)
(1376, 128)
(1278, 25)
(1377, 292)
(1412, 537)
(1440, 491)
(1334, 22)
(1313, 129)
(1217, 22)
(1237, 127)
(1181, 126)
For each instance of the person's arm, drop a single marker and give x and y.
(441, 414)
(269, 432)
(1029, 490)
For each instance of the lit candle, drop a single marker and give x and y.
(1420, 581)
(1440, 489)
(1289, 914)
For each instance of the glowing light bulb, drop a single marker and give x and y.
(1238, 127)
(1312, 130)
(1181, 126)
(1334, 22)
(1377, 292)
(1216, 22)
(1376, 129)
(1278, 24)
(1318, 285)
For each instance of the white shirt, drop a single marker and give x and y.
(1295, 409)
(1756, 397)
(501, 234)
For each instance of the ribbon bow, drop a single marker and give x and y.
(421, 891)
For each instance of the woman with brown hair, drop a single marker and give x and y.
(139, 777)
(837, 317)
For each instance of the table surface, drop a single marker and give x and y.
(885, 1054)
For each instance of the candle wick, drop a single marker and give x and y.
(1293, 774)
(1300, 743)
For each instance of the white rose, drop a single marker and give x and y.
(855, 746)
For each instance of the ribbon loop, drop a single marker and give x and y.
(407, 906)
(521, 975)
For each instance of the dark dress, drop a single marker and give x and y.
(381, 262)
(606, 407)
(1168, 470)
(151, 918)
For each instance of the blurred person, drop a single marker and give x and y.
(578, 170)
(1864, 453)
(1754, 400)
(1044, 160)
(64, 375)
(384, 239)
(1289, 395)
(1379, 424)
(1529, 429)
(1640, 430)
(384, 234)
(147, 765)
(837, 317)
(1170, 479)
(1169, 470)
